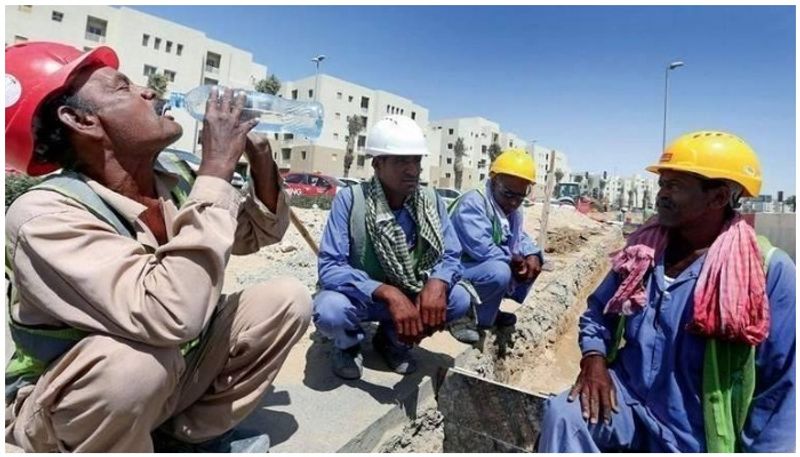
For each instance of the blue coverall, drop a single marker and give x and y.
(658, 373)
(346, 296)
(486, 264)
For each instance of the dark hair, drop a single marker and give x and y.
(51, 143)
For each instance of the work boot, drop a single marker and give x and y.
(464, 330)
(347, 363)
(236, 440)
(505, 319)
(502, 320)
(398, 358)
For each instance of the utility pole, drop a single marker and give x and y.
(546, 204)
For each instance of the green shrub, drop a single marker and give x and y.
(303, 201)
(17, 184)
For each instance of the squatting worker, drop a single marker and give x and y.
(689, 343)
(119, 321)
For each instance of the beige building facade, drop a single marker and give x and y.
(145, 44)
(342, 99)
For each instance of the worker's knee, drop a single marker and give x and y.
(333, 311)
(457, 303)
(494, 275)
(128, 378)
(286, 296)
(562, 414)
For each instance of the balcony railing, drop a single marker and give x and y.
(212, 69)
(95, 37)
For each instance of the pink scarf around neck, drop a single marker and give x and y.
(730, 300)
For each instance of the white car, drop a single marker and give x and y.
(448, 194)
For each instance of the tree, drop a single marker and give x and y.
(269, 85)
(458, 166)
(158, 83)
(630, 199)
(791, 202)
(646, 198)
(494, 151)
(354, 127)
(559, 175)
(603, 183)
(578, 178)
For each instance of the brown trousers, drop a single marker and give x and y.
(107, 394)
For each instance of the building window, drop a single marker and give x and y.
(170, 75)
(179, 49)
(338, 95)
(149, 70)
(310, 93)
(449, 145)
(212, 62)
(449, 160)
(360, 161)
(388, 109)
(362, 141)
(210, 81)
(350, 98)
(336, 136)
(303, 155)
(338, 116)
(145, 39)
(449, 131)
(168, 48)
(365, 102)
(157, 44)
(288, 136)
(286, 153)
(57, 16)
(402, 111)
(413, 115)
(294, 94)
(200, 136)
(447, 175)
(364, 121)
(96, 29)
(20, 39)
(25, 8)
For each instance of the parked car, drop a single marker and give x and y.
(194, 163)
(448, 194)
(311, 184)
(350, 181)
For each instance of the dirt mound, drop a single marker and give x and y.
(565, 240)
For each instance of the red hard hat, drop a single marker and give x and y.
(34, 71)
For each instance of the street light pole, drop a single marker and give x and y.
(317, 60)
(671, 66)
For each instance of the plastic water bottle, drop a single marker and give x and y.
(275, 114)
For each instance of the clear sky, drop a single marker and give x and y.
(586, 80)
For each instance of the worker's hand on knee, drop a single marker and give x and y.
(596, 390)
(224, 134)
(432, 302)
(404, 312)
(533, 267)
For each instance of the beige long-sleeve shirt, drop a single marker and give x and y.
(73, 269)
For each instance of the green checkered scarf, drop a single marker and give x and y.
(404, 270)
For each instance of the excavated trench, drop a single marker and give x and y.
(540, 355)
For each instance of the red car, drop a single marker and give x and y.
(311, 184)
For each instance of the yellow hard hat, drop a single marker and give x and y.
(714, 155)
(515, 162)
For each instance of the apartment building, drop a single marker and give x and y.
(145, 44)
(342, 99)
(477, 134)
(631, 192)
(541, 155)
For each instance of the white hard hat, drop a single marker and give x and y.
(396, 136)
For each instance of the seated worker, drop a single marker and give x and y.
(117, 313)
(500, 260)
(706, 311)
(388, 254)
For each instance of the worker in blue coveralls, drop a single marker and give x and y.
(500, 260)
(706, 310)
(388, 254)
